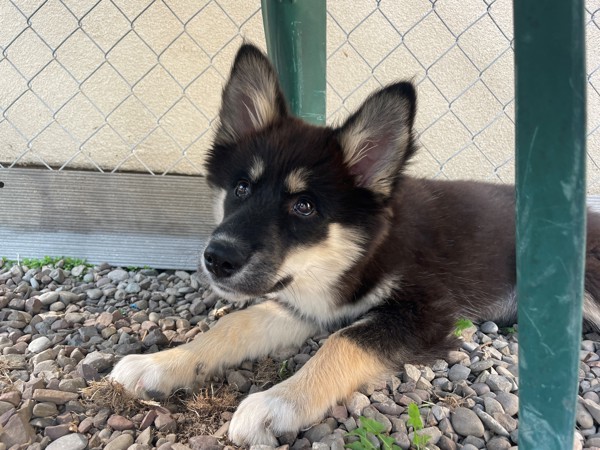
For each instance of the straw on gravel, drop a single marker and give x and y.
(110, 394)
(203, 412)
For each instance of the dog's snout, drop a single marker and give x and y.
(223, 259)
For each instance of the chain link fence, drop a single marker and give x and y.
(134, 85)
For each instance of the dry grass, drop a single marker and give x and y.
(6, 382)
(199, 414)
(203, 412)
(452, 400)
(269, 372)
(110, 394)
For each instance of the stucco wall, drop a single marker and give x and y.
(135, 85)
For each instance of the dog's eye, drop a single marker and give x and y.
(242, 190)
(304, 207)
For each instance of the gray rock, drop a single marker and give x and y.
(593, 408)
(182, 274)
(458, 372)
(118, 275)
(433, 432)
(475, 441)
(53, 396)
(68, 297)
(165, 423)
(39, 344)
(121, 442)
(411, 373)
(98, 360)
(498, 443)
(509, 401)
(133, 288)
(45, 409)
(508, 423)
(94, 294)
(372, 413)
(489, 327)
(57, 306)
(492, 406)
(445, 443)
(77, 270)
(204, 443)
(583, 417)
(73, 441)
(48, 298)
(120, 423)
(55, 432)
(58, 275)
(157, 337)
(315, 446)
(466, 423)
(499, 383)
(17, 431)
(402, 440)
(592, 442)
(356, 403)
(480, 366)
(470, 447)
(88, 277)
(145, 437)
(239, 381)
(318, 432)
(491, 423)
(33, 305)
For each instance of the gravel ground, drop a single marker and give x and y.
(62, 330)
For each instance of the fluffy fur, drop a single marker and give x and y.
(323, 225)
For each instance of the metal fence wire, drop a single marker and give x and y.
(122, 85)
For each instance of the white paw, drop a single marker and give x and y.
(153, 376)
(261, 417)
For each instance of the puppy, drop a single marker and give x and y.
(325, 227)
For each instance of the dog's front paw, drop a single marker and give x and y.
(261, 417)
(154, 376)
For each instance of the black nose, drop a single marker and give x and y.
(223, 259)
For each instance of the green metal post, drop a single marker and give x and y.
(295, 33)
(550, 138)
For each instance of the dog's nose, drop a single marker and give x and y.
(223, 259)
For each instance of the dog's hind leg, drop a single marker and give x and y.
(246, 334)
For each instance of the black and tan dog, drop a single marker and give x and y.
(323, 225)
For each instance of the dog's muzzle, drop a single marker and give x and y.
(223, 259)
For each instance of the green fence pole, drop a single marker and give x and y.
(550, 138)
(295, 33)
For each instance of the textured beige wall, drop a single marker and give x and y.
(134, 85)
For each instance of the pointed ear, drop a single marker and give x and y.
(377, 140)
(252, 98)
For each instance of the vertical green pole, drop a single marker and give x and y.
(550, 138)
(295, 33)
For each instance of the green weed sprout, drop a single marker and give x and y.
(415, 421)
(376, 429)
(461, 325)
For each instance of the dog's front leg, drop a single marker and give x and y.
(246, 334)
(337, 370)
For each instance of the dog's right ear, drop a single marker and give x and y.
(252, 99)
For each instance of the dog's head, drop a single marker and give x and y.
(299, 206)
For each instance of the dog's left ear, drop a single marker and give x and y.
(377, 140)
(252, 98)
